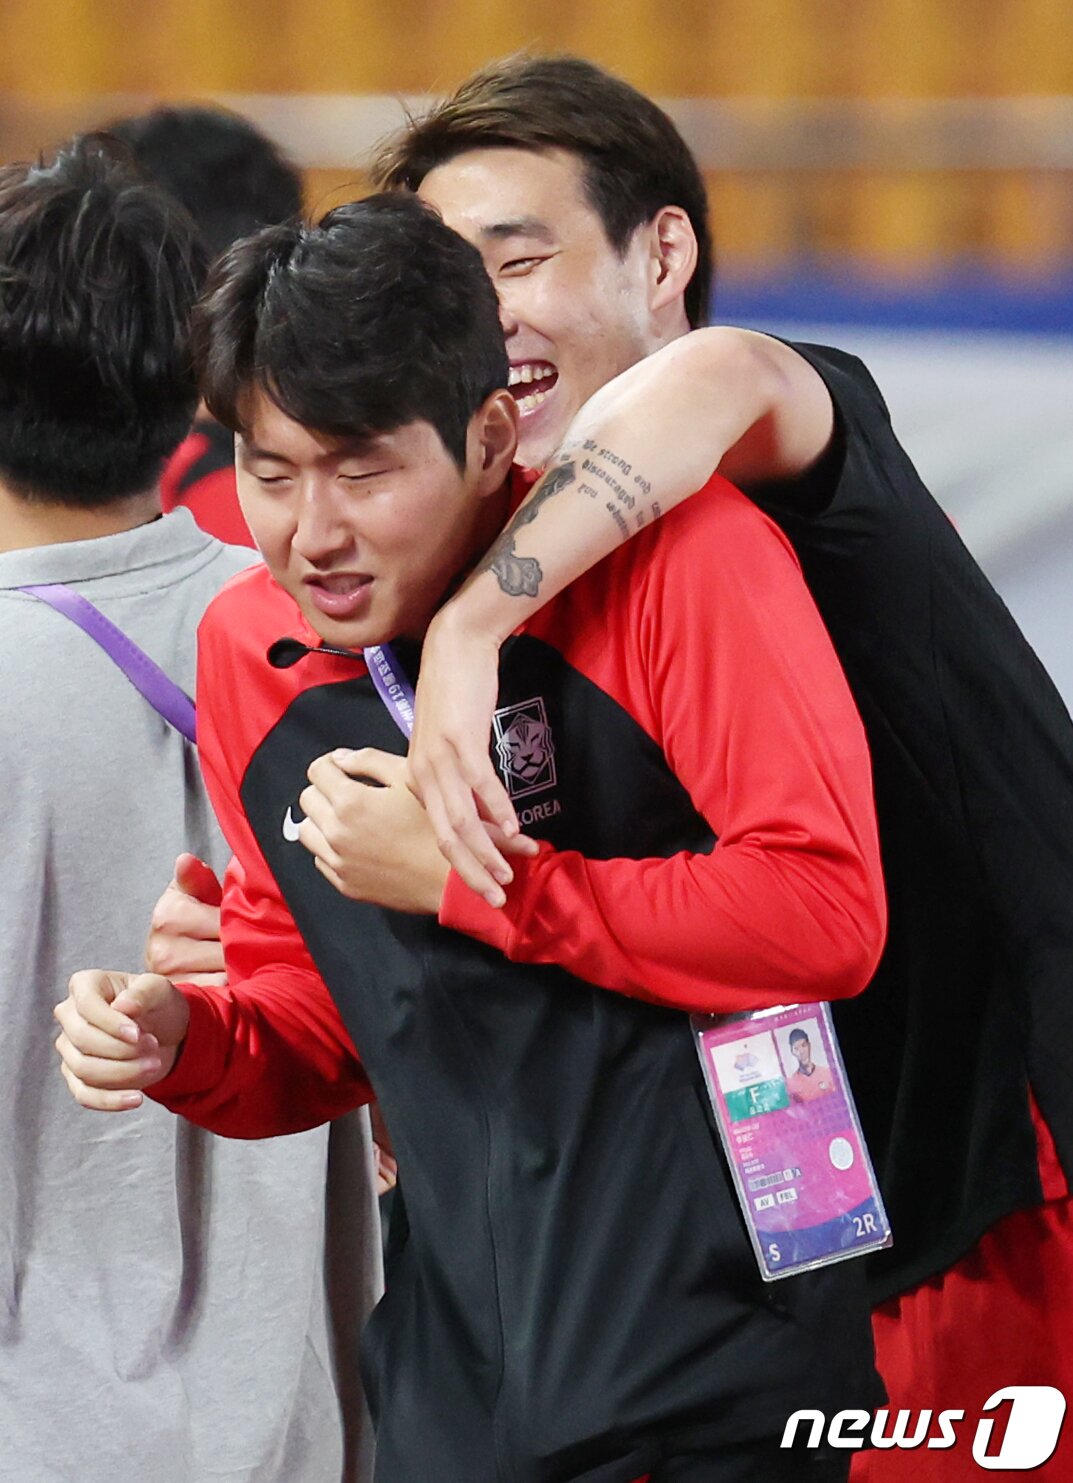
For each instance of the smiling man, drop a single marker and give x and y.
(591, 218)
(576, 1297)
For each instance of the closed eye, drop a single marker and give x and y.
(518, 266)
(364, 477)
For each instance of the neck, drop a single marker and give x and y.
(27, 523)
(672, 326)
(490, 516)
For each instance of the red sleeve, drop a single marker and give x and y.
(720, 654)
(269, 1053)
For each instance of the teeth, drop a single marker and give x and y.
(527, 373)
(341, 584)
(531, 402)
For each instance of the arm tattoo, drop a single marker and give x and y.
(521, 576)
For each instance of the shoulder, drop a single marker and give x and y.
(247, 614)
(250, 592)
(852, 386)
(718, 524)
(716, 553)
(239, 627)
(230, 560)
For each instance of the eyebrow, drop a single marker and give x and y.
(519, 226)
(357, 448)
(250, 450)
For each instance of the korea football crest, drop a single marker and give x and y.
(525, 747)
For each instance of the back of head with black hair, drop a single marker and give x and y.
(377, 317)
(98, 275)
(231, 178)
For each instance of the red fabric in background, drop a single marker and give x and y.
(200, 475)
(1002, 1316)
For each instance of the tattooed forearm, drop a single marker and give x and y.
(521, 576)
(606, 477)
(632, 494)
(554, 480)
(518, 576)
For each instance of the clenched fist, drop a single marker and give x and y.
(121, 1032)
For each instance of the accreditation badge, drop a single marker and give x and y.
(792, 1137)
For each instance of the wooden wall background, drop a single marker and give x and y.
(57, 57)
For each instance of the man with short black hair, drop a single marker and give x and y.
(809, 1081)
(233, 179)
(572, 1294)
(230, 176)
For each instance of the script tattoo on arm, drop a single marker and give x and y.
(626, 494)
(521, 576)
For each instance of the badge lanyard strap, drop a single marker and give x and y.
(392, 686)
(162, 693)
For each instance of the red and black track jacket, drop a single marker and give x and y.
(577, 1295)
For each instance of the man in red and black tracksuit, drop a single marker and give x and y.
(572, 1295)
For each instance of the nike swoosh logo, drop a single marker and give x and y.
(290, 827)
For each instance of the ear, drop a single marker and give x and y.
(673, 256)
(492, 439)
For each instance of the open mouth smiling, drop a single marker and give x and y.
(530, 382)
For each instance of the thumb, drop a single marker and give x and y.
(371, 764)
(142, 994)
(155, 1005)
(194, 878)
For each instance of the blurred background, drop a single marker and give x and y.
(892, 176)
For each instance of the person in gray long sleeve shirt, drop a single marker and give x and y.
(162, 1291)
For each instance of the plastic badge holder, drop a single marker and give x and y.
(792, 1137)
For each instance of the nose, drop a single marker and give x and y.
(321, 531)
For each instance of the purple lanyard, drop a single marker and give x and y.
(148, 678)
(392, 686)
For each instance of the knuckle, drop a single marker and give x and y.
(161, 916)
(74, 1060)
(156, 956)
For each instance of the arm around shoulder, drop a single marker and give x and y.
(737, 681)
(719, 398)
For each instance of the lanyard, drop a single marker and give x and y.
(159, 689)
(392, 686)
